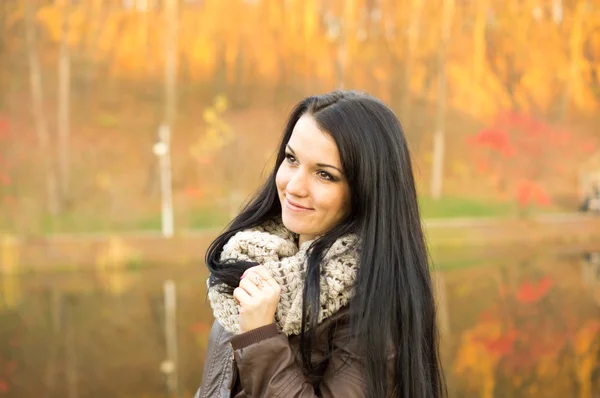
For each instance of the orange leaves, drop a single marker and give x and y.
(531, 292)
(501, 345)
(530, 192)
(537, 336)
(5, 179)
(586, 342)
(496, 139)
(194, 193)
(480, 350)
(50, 17)
(526, 155)
(4, 127)
(491, 62)
(587, 337)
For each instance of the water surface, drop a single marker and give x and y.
(516, 326)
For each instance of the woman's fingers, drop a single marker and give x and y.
(258, 295)
(241, 296)
(266, 276)
(250, 286)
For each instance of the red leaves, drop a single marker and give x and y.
(529, 192)
(588, 147)
(496, 139)
(503, 344)
(4, 125)
(4, 179)
(533, 292)
(193, 192)
(525, 155)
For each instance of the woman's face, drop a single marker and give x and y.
(313, 190)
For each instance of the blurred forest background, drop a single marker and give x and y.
(500, 100)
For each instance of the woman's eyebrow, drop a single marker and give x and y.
(318, 164)
(328, 165)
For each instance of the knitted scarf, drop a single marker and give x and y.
(273, 246)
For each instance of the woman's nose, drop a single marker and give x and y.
(298, 184)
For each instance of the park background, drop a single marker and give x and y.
(500, 102)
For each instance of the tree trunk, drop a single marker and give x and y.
(90, 48)
(412, 36)
(52, 357)
(64, 101)
(576, 39)
(170, 103)
(348, 27)
(5, 65)
(439, 135)
(72, 376)
(170, 62)
(41, 125)
(479, 51)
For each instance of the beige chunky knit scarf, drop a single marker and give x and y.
(273, 246)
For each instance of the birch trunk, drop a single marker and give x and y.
(41, 124)
(439, 135)
(171, 46)
(414, 29)
(64, 101)
(576, 39)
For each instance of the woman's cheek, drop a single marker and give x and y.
(280, 179)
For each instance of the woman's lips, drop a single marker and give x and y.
(295, 207)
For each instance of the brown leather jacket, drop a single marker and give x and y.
(266, 363)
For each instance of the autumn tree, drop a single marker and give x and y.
(525, 156)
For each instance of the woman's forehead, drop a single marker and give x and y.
(310, 142)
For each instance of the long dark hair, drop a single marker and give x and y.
(393, 307)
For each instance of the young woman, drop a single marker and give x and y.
(320, 287)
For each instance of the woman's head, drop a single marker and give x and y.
(343, 156)
(336, 152)
(313, 189)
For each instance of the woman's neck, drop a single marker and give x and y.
(304, 238)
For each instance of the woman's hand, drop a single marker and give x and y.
(258, 295)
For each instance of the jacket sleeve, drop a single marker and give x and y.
(216, 380)
(267, 368)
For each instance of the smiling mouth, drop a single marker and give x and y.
(294, 206)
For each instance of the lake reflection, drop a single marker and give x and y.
(511, 327)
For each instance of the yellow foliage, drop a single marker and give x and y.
(310, 20)
(50, 17)
(586, 338)
(9, 255)
(221, 103)
(10, 287)
(475, 362)
(218, 133)
(460, 168)
(495, 58)
(103, 180)
(587, 341)
(210, 116)
(111, 266)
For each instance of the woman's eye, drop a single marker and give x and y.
(290, 158)
(326, 176)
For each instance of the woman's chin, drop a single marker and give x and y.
(292, 224)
